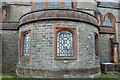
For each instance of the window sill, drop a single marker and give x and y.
(65, 58)
(96, 57)
(24, 56)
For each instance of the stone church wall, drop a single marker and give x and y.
(115, 12)
(42, 62)
(9, 50)
(86, 4)
(105, 48)
(0, 54)
(16, 9)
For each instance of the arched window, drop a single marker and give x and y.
(41, 4)
(65, 42)
(26, 43)
(110, 20)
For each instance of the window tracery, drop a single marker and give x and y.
(65, 43)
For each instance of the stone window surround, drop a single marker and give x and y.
(113, 20)
(46, 4)
(22, 42)
(74, 31)
(96, 45)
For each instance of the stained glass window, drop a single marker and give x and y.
(54, 3)
(108, 22)
(68, 4)
(39, 4)
(26, 48)
(65, 43)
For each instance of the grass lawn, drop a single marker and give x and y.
(109, 76)
(9, 75)
(12, 76)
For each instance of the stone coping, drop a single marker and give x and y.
(9, 26)
(106, 30)
(58, 14)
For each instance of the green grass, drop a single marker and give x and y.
(12, 76)
(9, 75)
(109, 76)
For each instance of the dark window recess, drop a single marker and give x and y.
(96, 46)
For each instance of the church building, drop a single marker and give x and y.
(59, 38)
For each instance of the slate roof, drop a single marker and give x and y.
(115, 5)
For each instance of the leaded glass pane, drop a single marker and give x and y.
(65, 43)
(39, 4)
(108, 22)
(68, 4)
(26, 51)
(54, 4)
